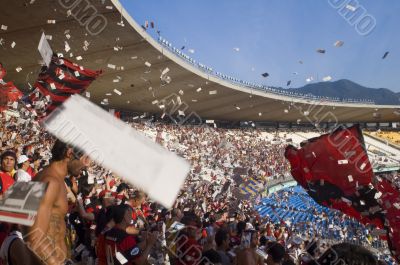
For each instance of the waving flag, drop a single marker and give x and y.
(58, 82)
(335, 171)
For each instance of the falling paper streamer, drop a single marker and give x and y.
(165, 71)
(116, 91)
(351, 8)
(338, 43)
(265, 75)
(385, 55)
(67, 48)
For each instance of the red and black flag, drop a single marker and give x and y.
(58, 82)
(335, 171)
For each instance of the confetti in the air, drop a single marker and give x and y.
(338, 43)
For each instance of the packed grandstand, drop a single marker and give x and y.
(255, 192)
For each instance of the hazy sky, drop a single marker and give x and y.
(274, 35)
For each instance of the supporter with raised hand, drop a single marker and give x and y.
(46, 236)
(122, 247)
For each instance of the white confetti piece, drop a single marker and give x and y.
(78, 58)
(87, 94)
(191, 51)
(67, 48)
(286, 111)
(259, 114)
(4, 27)
(51, 21)
(108, 94)
(327, 78)
(350, 177)
(343, 162)
(165, 71)
(53, 86)
(378, 195)
(238, 108)
(180, 92)
(133, 57)
(147, 64)
(212, 92)
(351, 8)
(68, 36)
(49, 37)
(109, 7)
(181, 112)
(115, 80)
(13, 44)
(236, 49)
(198, 90)
(61, 77)
(154, 102)
(116, 91)
(77, 73)
(112, 66)
(161, 106)
(363, 166)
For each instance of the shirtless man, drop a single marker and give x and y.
(46, 238)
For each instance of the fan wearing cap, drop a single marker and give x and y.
(8, 159)
(23, 164)
(47, 235)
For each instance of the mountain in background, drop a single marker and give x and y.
(347, 89)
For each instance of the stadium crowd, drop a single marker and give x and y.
(213, 221)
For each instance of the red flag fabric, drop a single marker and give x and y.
(58, 82)
(335, 171)
(389, 197)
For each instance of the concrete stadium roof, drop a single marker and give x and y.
(25, 23)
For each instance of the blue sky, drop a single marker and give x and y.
(273, 35)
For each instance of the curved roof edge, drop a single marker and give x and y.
(222, 82)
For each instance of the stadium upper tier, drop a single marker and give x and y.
(102, 35)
